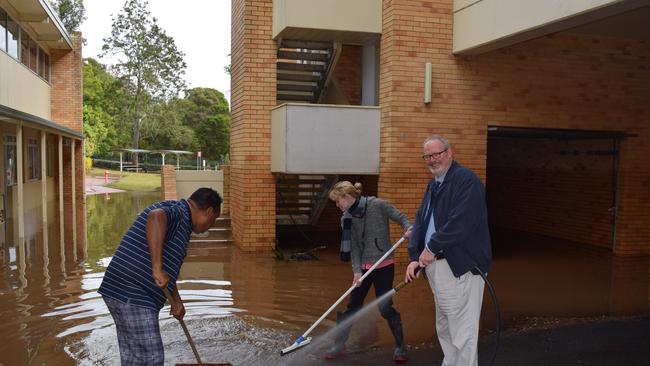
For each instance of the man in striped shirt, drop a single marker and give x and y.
(149, 259)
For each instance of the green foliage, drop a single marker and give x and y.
(164, 128)
(206, 111)
(103, 114)
(71, 12)
(148, 62)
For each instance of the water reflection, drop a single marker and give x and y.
(243, 308)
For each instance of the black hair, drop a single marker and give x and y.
(206, 198)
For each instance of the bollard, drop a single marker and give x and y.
(105, 176)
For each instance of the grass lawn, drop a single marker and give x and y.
(135, 181)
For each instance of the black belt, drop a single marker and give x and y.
(440, 256)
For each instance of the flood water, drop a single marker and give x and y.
(244, 308)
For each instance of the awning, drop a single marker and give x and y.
(12, 115)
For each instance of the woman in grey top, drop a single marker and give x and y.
(365, 239)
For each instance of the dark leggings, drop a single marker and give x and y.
(382, 279)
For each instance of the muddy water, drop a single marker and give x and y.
(245, 308)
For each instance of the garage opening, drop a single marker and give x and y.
(553, 183)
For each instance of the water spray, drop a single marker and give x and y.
(304, 340)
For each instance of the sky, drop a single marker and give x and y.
(200, 28)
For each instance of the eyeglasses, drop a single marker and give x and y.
(434, 155)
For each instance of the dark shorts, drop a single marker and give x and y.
(138, 334)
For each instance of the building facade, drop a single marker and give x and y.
(42, 183)
(547, 101)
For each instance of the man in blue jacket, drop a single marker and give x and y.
(451, 241)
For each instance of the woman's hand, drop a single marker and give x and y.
(356, 281)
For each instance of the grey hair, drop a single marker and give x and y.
(444, 141)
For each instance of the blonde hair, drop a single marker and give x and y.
(345, 187)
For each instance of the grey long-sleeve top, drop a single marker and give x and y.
(368, 245)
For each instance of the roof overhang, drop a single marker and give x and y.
(13, 116)
(41, 19)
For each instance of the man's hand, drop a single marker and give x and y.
(426, 258)
(410, 272)
(356, 281)
(177, 309)
(407, 234)
(161, 278)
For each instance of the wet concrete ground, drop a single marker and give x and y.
(245, 308)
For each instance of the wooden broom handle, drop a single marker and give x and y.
(187, 332)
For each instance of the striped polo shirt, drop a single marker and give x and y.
(128, 277)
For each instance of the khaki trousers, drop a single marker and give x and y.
(458, 310)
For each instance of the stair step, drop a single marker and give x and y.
(293, 54)
(201, 240)
(297, 96)
(298, 195)
(314, 45)
(296, 189)
(296, 85)
(222, 222)
(300, 67)
(293, 204)
(297, 75)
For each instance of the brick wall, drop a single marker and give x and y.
(348, 73)
(168, 183)
(563, 80)
(66, 109)
(225, 207)
(253, 84)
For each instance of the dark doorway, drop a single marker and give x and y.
(555, 183)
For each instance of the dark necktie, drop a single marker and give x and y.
(432, 199)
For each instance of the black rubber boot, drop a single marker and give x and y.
(342, 334)
(395, 324)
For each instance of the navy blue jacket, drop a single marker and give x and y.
(460, 216)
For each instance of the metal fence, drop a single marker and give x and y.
(153, 162)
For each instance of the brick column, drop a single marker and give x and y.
(225, 207)
(66, 100)
(632, 229)
(168, 183)
(253, 79)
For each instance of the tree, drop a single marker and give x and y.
(165, 130)
(147, 61)
(71, 12)
(206, 111)
(103, 112)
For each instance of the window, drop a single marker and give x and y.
(3, 30)
(24, 48)
(41, 63)
(13, 35)
(10, 159)
(46, 66)
(19, 45)
(33, 159)
(33, 56)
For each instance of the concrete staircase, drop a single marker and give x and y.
(300, 199)
(304, 69)
(219, 234)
